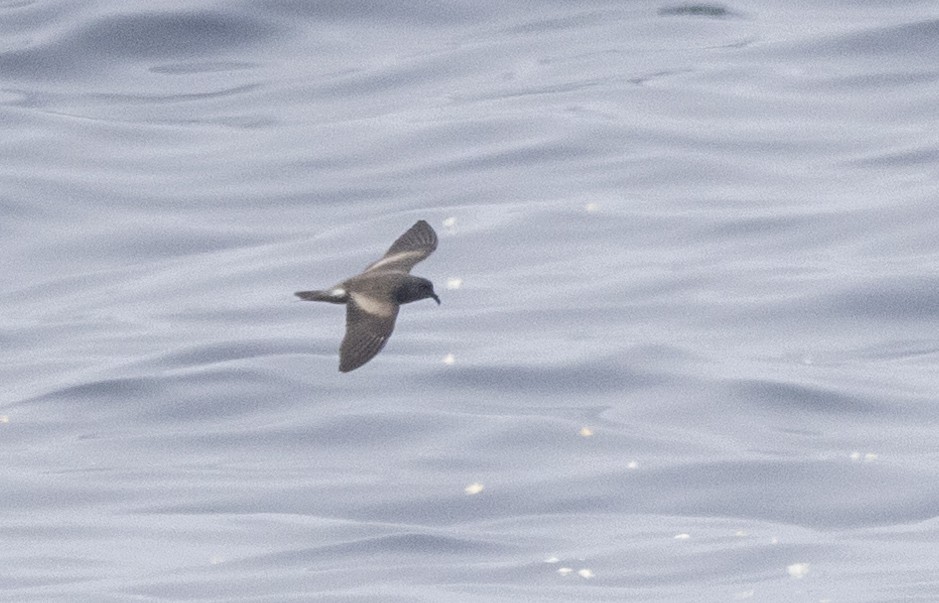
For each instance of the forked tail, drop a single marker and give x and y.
(333, 296)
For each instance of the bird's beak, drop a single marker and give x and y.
(436, 299)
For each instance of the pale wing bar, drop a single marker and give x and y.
(410, 248)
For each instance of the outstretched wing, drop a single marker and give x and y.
(413, 246)
(369, 323)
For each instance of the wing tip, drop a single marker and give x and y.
(355, 353)
(346, 365)
(429, 232)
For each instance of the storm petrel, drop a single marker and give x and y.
(372, 298)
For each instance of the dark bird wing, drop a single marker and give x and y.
(369, 323)
(413, 246)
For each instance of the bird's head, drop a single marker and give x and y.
(416, 288)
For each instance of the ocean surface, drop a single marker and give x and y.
(688, 348)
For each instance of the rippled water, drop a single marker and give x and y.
(689, 268)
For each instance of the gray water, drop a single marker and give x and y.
(689, 265)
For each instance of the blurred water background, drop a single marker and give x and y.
(689, 265)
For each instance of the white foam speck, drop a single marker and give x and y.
(592, 207)
(565, 570)
(585, 573)
(585, 432)
(4, 419)
(552, 560)
(682, 536)
(454, 283)
(449, 359)
(474, 488)
(449, 223)
(632, 465)
(798, 570)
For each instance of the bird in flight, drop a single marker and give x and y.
(372, 298)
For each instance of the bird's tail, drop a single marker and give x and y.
(334, 296)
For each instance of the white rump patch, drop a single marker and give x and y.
(338, 292)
